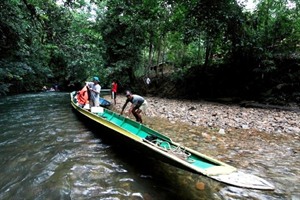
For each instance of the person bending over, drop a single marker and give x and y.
(136, 102)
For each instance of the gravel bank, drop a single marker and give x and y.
(221, 116)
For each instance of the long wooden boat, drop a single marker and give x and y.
(163, 148)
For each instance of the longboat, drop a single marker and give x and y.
(159, 146)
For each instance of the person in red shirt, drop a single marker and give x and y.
(114, 89)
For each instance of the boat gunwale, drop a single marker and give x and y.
(219, 166)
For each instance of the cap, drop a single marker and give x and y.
(128, 93)
(96, 79)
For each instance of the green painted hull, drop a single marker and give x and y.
(163, 148)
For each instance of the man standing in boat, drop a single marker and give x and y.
(94, 88)
(136, 102)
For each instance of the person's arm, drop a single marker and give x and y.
(89, 86)
(97, 90)
(124, 106)
(131, 108)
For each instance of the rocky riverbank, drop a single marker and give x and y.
(221, 116)
(254, 140)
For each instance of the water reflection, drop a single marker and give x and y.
(48, 153)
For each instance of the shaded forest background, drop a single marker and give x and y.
(188, 48)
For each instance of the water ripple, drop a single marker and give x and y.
(48, 153)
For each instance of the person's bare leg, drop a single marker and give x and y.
(137, 116)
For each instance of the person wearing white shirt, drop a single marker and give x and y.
(94, 88)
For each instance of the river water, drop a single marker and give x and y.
(47, 152)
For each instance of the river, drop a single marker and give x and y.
(47, 152)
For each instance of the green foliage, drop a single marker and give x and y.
(43, 42)
(123, 38)
(57, 45)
